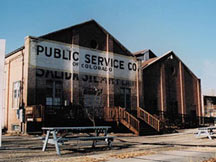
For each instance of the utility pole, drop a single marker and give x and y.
(2, 57)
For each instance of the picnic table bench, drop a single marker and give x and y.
(58, 139)
(206, 131)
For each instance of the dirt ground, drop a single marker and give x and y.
(26, 148)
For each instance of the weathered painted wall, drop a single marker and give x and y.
(79, 83)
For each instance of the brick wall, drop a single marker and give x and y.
(165, 77)
(151, 88)
(190, 88)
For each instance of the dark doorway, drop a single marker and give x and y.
(125, 98)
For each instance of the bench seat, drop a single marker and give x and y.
(87, 138)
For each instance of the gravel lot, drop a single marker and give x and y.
(26, 148)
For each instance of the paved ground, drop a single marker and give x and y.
(178, 147)
(170, 156)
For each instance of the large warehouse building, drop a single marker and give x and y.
(82, 75)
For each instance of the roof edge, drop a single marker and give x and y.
(101, 27)
(141, 51)
(91, 20)
(164, 55)
(15, 51)
(158, 58)
(117, 41)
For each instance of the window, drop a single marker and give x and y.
(172, 70)
(15, 127)
(123, 98)
(94, 44)
(54, 91)
(16, 94)
(49, 101)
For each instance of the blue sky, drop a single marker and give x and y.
(186, 27)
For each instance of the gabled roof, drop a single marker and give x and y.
(76, 26)
(70, 27)
(15, 51)
(139, 53)
(146, 63)
(97, 24)
(150, 62)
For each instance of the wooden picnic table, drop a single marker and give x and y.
(206, 131)
(59, 138)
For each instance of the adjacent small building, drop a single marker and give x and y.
(209, 106)
(170, 89)
(82, 75)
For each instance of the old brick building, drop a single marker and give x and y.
(82, 73)
(170, 89)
